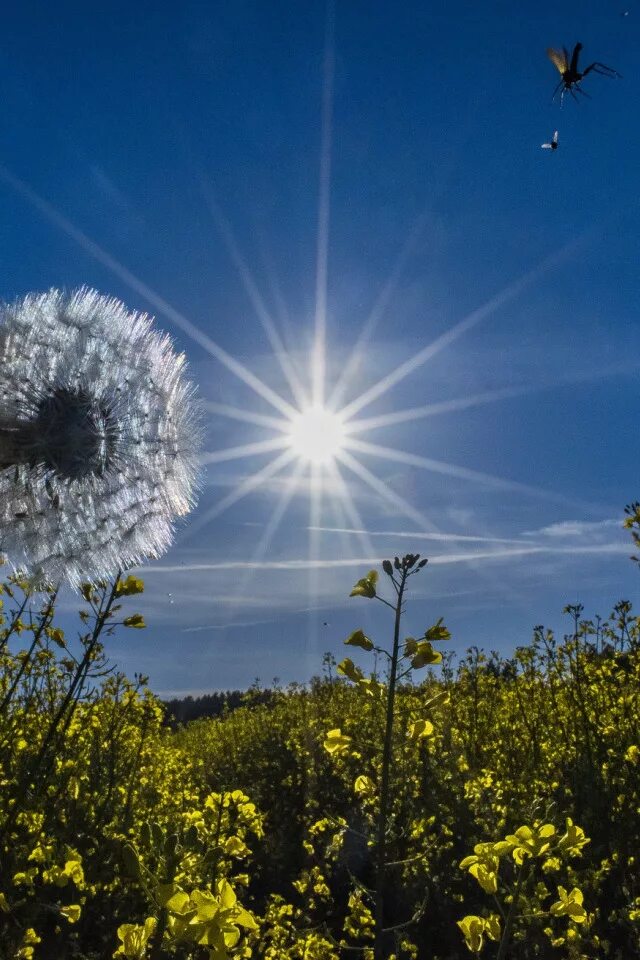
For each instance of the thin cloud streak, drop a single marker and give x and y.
(227, 626)
(420, 535)
(439, 560)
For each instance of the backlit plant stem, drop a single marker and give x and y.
(511, 916)
(60, 723)
(387, 758)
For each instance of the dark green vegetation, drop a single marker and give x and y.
(258, 833)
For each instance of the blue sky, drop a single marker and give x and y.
(150, 149)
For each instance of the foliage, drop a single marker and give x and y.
(513, 799)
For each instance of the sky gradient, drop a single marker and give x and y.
(179, 157)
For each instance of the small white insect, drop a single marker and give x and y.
(554, 143)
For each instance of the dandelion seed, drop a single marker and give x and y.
(99, 437)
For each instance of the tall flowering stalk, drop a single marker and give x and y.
(99, 437)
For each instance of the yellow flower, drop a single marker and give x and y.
(134, 939)
(569, 905)
(474, 928)
(531, 842)
(72, 912)
(573, 840)
(336, 741)
(364, 786)
(419, 729)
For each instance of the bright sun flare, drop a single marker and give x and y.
(302, 429)
(316, 435)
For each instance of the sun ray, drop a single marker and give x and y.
(313, 581)
(351, 511)
(246, 450)
(246, 416)
(434, 409)
(269, 532)
(377, 485)
(138, 286)
(378, 311)
(251, 289)
(451, 470)
(487, 396)
(247, 486)
(318, 359)
(290, 334)
(472, 319)
(382, 489)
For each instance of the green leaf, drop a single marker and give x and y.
(364, 786)
(349, 670)
(419, 729)
(137, 621)
(425, 655)
(131, 861)
(437, 632)
(157, 833)
(366, 587)
(336, 741)
(358, 639)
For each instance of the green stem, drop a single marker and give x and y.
(387, 756)
(44, 755)
(511, 916)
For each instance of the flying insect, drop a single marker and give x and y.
(553, 145)
(570, 76)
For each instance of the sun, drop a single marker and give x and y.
(316, 435)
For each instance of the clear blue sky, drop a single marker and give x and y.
(123, 121)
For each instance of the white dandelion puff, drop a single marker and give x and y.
(99, 437)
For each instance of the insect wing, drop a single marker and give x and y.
(546, 146)
(558, 59)
(554, 139)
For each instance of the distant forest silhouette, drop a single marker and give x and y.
(185, 709)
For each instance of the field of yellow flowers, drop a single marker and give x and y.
(404, 806)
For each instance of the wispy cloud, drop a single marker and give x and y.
(227, 626)
(526, 551)
(300, 564)
(576, 528)
(512, 552)
(416, 535)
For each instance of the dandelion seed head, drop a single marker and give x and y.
(99, 437)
